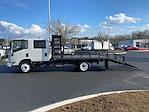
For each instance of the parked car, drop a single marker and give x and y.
(131, 48)
(68, 50)
(142, 48)
(87, 47)
(2, 53)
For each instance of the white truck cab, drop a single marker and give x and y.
(25, 52)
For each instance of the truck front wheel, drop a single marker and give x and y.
(83, 66)
(25, 67)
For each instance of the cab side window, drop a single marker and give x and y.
(40, 44)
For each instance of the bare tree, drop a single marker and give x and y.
(102, 37)
(140, 34)
(65, 29)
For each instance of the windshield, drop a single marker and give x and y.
(19, 45)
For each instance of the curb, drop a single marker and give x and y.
(119, 53)
(69, 101)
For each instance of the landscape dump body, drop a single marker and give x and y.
(58, 55)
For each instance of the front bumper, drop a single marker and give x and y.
(9, 64)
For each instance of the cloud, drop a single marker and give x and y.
(3, 8)
(145, 27)
(105, 25)
(83, 28)
(10, 30)
(87, 31)
(35, 29)
(117, 24)
(86, 26)
(122, 19)
(137, 28)
(21, 5)
(120, 30)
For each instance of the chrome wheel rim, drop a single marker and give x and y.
(25, 67)
(84, 66)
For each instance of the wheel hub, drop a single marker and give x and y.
(84, 66)
(25, 67)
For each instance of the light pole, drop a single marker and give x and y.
(49, 17)
(49, 11)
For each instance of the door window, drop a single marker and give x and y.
(40, 44)
(20, 45)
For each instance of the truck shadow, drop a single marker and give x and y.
(5, 69)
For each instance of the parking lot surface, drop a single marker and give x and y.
(21, 92)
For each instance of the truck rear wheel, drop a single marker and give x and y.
(25, 67)
(83, 66)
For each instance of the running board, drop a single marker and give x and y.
(123, 63)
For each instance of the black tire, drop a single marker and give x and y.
(72, 53)
(25, 66)
(83, 66)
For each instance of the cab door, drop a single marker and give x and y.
(39, 51)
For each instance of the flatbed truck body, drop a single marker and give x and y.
(30, 53)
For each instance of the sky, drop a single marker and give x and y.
(114, 17)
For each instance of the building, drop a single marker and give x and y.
(138, 43)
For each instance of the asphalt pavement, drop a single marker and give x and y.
(21, 92)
